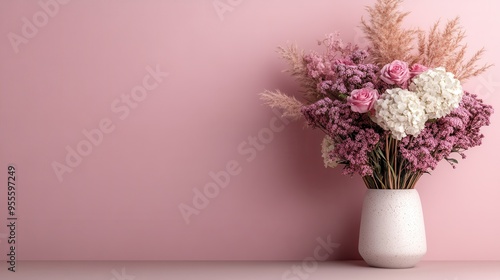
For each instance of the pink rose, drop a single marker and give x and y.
(395, 73)
(362, 100)
(416, 69)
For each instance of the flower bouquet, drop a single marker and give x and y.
(392, 111)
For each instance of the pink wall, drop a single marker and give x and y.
(91, 65)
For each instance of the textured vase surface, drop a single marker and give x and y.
(392, 231)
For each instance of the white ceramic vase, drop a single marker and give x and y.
(392, 232)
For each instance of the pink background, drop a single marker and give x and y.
(122, 201)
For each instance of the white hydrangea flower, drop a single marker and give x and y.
(326, 147)
(438, 90)
(401, 112)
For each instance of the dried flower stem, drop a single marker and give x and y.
(390, 169)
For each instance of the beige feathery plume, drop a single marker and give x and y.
(436, 48)
(288, 104)
(298, 70)
(389, 40)
(446, 48)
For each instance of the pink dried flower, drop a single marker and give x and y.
(417, 69)
(395, 73)
(362, 100)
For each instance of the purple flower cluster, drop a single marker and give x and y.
(341, 75)
(319, 67)
(456, 132)
(353, 133)
(351, 77)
